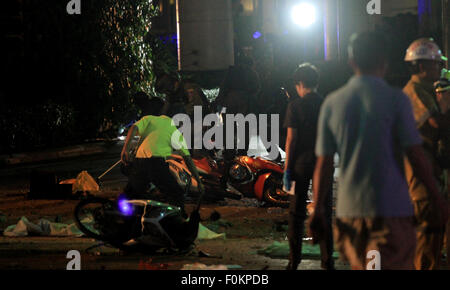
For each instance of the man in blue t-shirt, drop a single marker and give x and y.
(370, 125)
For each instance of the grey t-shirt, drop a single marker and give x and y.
(369, 124)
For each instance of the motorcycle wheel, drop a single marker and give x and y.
(93, 217)
(274, 195)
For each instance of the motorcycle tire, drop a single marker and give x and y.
(274, 195)
(114, 238)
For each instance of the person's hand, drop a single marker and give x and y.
(287, 179)
(317, 225)
(124, 156)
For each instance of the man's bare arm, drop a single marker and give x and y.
(133, 131)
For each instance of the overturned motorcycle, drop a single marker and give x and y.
(138, 225)
(245, 176)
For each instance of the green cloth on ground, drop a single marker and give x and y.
(280, 250)
(206, 234)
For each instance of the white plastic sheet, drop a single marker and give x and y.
(43, 228)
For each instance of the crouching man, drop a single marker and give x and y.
(155, 145)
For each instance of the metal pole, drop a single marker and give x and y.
(109, 169)
(446, 28)
(338, 29)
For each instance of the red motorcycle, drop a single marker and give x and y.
(245, 177)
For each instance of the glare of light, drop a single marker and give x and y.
(121, 138)
(125, 208)
(257, 35)
(304, 14)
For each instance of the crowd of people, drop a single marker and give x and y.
(393, 148)
(393, 160)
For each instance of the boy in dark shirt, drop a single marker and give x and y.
(301, 123)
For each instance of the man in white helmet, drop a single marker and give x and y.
(443, 97)
(426, 61)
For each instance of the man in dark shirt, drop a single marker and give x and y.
(301, 123)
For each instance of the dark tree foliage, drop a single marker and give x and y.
(74, 75)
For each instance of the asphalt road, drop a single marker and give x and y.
(248, 226)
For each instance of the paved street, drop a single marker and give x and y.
(247, 226)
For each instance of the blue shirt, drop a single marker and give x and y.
(369, 124)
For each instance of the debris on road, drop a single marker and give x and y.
(216, 225)
(280, 250)
(199, 266)
(243, 202)
(44, 228)
(85, 182)
(276, 210)
(205, 233)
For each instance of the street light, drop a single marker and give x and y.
(303, 14)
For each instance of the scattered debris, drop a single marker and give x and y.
(216, 225)
(276, 210)
(199, 266)
(205, 233)
(280, 250)
(202, 254)
(215, 216)
(147, 265)
(243, 202)
(44, 228)
(85, 182)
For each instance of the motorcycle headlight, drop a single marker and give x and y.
(239, 173)
(125, 208)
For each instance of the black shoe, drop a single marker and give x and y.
(291, 266)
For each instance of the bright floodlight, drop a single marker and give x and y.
(304, 14)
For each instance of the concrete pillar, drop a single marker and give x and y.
(270, 22)
(205, 35)
(331, 30)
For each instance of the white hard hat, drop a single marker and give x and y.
(424, 48)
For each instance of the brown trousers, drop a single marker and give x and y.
(430, 236)
(393, 238)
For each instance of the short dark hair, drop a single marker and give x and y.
(307, 74)
(141, 99)
(148, 106)
(155, 106)
(368, 50)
